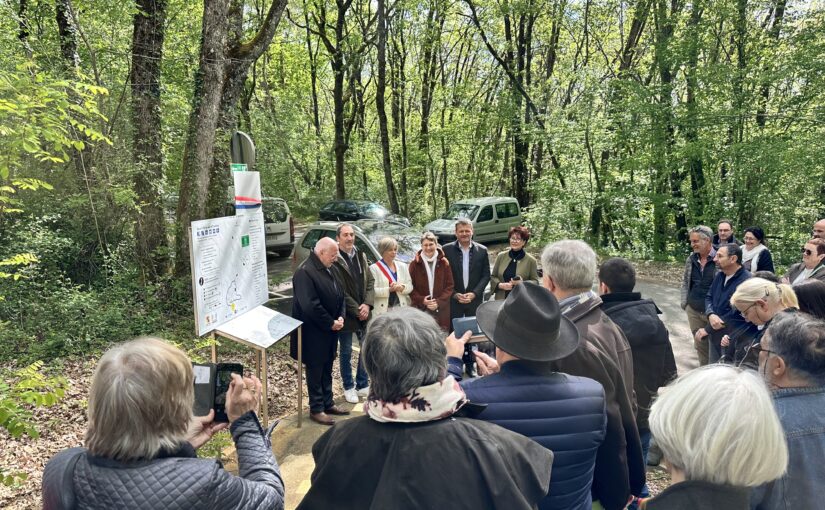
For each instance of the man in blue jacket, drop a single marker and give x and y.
(730, 335)
(563, 413)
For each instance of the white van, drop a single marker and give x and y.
(492, 219)
(279, 226)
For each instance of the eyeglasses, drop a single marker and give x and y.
(807, 252)
(757, 348)
(744, 313)
(516, 240)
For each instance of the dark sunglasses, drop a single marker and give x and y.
(807, 252)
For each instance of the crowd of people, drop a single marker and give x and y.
(558, 413)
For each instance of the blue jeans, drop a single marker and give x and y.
(345, 361)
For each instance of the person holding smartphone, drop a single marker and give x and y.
(432, 281)
(513, 266)
(142, 438)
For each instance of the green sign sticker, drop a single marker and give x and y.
(238, 167)
(244, 241)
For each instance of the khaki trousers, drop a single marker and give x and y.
(696, 320)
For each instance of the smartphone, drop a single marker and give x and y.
(462, 324)
(223, 376)
(517, 278)
(428, 298)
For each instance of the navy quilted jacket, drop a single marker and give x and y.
(172, 481)
(563, 413)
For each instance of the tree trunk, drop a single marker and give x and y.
(691, 128)
(147, 51)
(220, 77)
(380, 106)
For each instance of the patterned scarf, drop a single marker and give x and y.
(425, 403)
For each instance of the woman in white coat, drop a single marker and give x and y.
(393, 284)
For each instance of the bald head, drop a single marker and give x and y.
(327, 251)
(819, 229)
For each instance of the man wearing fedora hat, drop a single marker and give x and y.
(563, 413)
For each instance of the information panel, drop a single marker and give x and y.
(228, 268)
(261, 327)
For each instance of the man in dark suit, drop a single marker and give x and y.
(471, 275)
(319, 303)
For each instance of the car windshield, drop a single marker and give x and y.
(373, 211)
(408, 239)
(457, 211)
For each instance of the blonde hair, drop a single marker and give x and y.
(775, 294)
(730, 435)
(385, 244)
(141, 400)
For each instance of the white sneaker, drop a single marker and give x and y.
(364, 392)
(351, 396)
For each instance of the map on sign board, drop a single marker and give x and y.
(260, 326)
(228, 268)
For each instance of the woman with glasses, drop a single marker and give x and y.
(513, 266)
(758, 301)
(755, 255)
(812, 266)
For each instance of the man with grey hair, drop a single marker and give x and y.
(471, 275)
(792, 362)
(696, 280)
(319, 304)
(569, 268)
(603, 354)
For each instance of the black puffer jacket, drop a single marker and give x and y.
(653, 361)
(173, 480)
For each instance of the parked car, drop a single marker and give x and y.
(367, 235)
(351, 210)
(279, 226)
(492, 218)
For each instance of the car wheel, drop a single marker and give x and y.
(284, 253)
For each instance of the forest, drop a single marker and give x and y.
(624, 123)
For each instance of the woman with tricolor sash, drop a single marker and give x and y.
(393, 284)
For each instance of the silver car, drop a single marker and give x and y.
(367, 235)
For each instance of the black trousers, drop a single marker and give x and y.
(319, 386)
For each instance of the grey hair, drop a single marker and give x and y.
(799, 339)
(403, 349)
(140, 401)
(703, 231)
(463, 221)
(730, 435)
(571, 264)
(386, 243)
(429, 236)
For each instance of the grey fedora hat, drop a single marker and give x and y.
(529, 324)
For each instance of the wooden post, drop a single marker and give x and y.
(300, 379)
(265, 402)
(214, 347)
